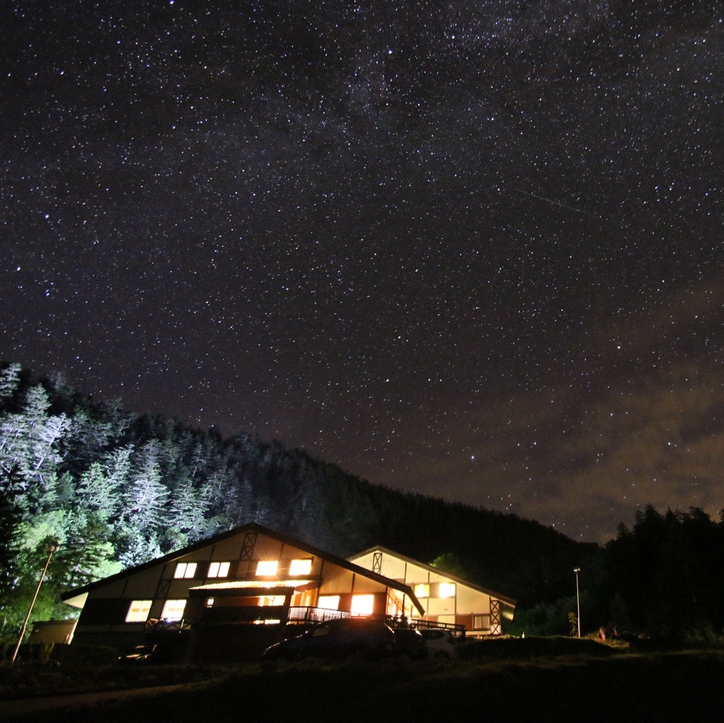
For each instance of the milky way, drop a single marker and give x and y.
(471, 249)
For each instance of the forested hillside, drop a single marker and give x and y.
(116, 489)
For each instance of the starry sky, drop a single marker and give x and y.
(471, 249)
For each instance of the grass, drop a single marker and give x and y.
(27, 680)
(568, 686)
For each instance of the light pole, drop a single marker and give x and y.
(53, 547)
(578, 601)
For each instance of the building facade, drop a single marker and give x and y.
(448, 600)
(228, 597)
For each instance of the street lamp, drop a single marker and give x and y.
(578, 601)
(53, 547)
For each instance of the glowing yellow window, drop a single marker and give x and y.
(363, 604)
(185, 570)
(300, 567)
(266, 567)
(447, 589)
(218, 569)
(422, 590)
(173, 610)
(271, 600)
(138, 611)
(328, 602)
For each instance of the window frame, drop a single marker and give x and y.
(185, 570)
(447, 590)
(218, 569)
(362, 604)
(175, 603)
(262, 564)
(302, 562)
(422, 590)
(328, 599)
(135, 616)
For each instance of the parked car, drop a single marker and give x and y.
(409, 642)
(337, 639)
(155, 653)
(440, 644)
(140, 654)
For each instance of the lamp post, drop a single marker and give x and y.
(53, 547)
(578, 601)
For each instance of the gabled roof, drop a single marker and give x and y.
(378, 548)
(249, 527)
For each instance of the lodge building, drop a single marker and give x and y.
(228, 597)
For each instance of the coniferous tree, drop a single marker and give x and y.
(10, 518)
(186, 515)
(145, 496)
(9, 383)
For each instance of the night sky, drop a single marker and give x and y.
(470, 249)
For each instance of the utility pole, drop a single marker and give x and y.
(578, 601)
(51, 550)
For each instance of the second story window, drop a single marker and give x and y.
(185, 570)
(218, 569)
(422, 590)
(447, 589)
(265, 568)
(300, 567)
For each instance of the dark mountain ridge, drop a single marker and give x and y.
(115, 489)
(118, 487)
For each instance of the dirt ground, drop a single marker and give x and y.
(668, 686)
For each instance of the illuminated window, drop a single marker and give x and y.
(185, 569)
(209, 602)
(481, 622)
(328, 602)
(218, 569)
(138, 611)
(266, 567)
(300, 567)
(363, 604)
(173, 609)
(422, 590)
(447, 589)
(267, 600)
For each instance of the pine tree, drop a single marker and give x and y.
(30, 442)
(87, 552)
(98, 492)
(9, 383)
(145, 498)
(186, 511)
(10, 517)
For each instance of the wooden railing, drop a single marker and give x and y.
(274, 614)
(307, 615)
(457, 629)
